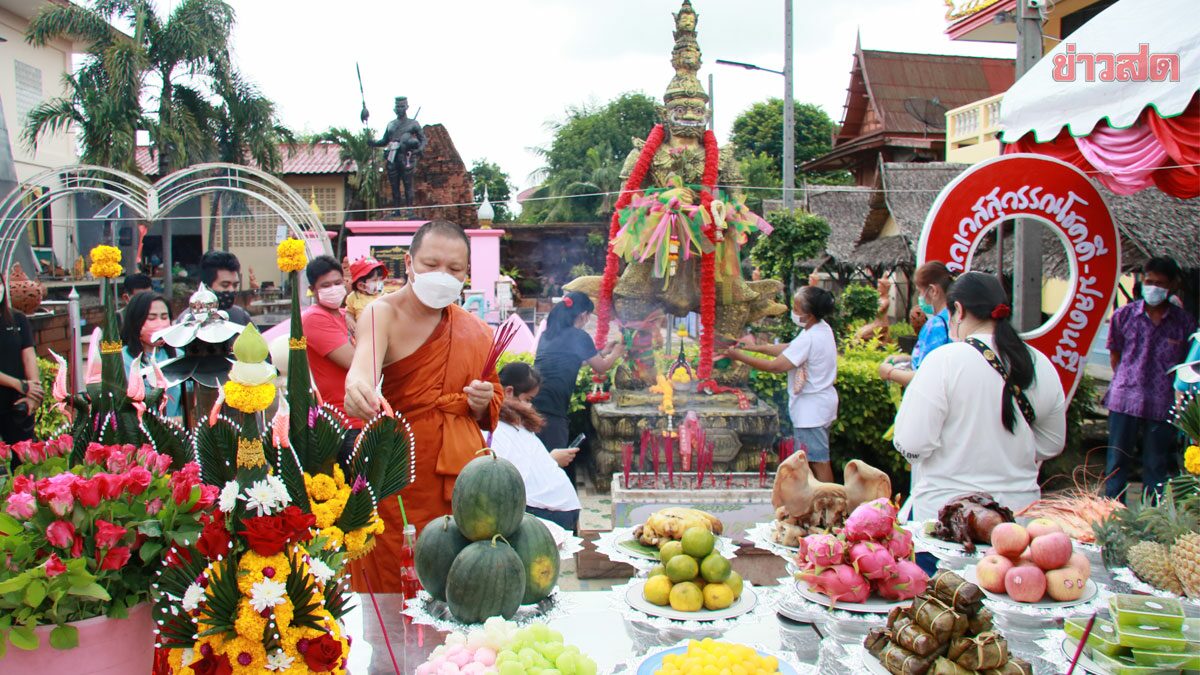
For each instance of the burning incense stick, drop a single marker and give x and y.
(500, 341)
(1087, 630)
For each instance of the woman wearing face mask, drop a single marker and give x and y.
(983, 412)
(933, 281)
(20, 384)
(145, 315)
(424, 356)
(325, 331)
(810, 360)
(562, 350)
(366, 284)
(549, 493)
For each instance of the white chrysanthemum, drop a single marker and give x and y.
(277, 661)
(188, 656)
(320, 571)
(228, 498)
(266, 594)
(192, 597)
(266, 496)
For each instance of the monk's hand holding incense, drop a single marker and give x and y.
(362, 398)
(479, 397)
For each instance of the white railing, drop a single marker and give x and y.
(973, 123)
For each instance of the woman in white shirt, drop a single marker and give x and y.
(549, 493)
(810, 360)
(983, 412)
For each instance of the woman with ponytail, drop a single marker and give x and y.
(982, 413)
(562, 350)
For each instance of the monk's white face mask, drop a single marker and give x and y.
(436, 289)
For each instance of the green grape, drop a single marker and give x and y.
(566, 663)
(551, 650)
(511, 668)
(551, 671)
(553, 636)
(585, 666)
(529, 657)
(533, 670)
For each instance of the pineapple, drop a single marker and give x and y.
(1185, 558)
(1151, 562)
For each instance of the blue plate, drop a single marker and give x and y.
(651, 664)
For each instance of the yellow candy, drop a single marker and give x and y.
(710, 657)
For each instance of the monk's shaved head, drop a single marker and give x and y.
(443, 227)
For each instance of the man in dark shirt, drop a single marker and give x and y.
(222, 273)
(20, 386)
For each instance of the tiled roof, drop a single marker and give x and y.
(844, 210)
(322, 158)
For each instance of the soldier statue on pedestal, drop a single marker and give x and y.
(404, 141)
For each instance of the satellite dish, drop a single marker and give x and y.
(928, 111)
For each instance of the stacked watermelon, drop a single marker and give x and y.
(489, 557)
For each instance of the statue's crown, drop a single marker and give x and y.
(685, 58)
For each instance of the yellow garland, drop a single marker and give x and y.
(106, 262)
(283, 615)
(249, 623)
(361, 541)
(1191, 459)
(321, 487)
(249, 399)
(251, 568)
(291, 256)
(328, 495)
(253, 647)
(334, 537)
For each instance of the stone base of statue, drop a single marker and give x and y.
(739, 435)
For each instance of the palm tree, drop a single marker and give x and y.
(366, 185)
(584, 193)
(105, 99)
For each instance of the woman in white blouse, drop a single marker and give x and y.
(549, 493)
(983, 412)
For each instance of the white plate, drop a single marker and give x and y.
(1089, 592)
(873, 665)
(1085, 662)
(745, 604)
(937, 546)
(873, 605)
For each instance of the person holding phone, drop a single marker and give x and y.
(549, 494)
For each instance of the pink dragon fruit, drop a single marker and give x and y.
(801, 550)
(900, 543)
(906, 582)
(873, 520)
(824, 550)
(872, 560)
(840, 583)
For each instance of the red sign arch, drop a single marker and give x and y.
(1062, 197)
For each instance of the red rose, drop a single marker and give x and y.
(214, 539)
(177, 557)
(212, 664)
(107, 534)
(137, 480)
(115, 559)
(297, 523)
(87, 491)
(208, 497)
(110, 485)
(267, 535)
(324, 653)
(96, 453)
(54, 566)
(77, 546)
(22, 484)
(59, 533)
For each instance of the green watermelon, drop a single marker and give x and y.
(437, 547)
(485, 580)
(535, 546)
(488, 498)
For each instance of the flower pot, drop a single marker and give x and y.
(106, 647)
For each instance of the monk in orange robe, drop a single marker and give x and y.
(430, 354)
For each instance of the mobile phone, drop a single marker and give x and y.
(578, 439)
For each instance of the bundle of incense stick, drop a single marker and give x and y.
(500, 341)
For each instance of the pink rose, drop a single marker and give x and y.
(95, 453)
(162, 464)
(87, 491)
(21, 505)
(111, 485)
(107, 534)
(117, 461)
(54, 566)
(137, 480)
(115, 559)
(60, 533)
(154, 506)
(61, 500)
(77, 546)
(208, 497)
(181, 493)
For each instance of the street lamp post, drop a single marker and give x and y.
(789, 108)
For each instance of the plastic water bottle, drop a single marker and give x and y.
(409, 583)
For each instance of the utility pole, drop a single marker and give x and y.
(1027, 255)
(789, 113)
(712, 104)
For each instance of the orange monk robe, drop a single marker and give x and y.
(427, 388)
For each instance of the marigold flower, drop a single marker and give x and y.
(106, 262)
(1191, 459)
(291, 256)
(249, 399)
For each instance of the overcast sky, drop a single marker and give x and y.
(494, 73)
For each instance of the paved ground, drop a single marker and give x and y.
(596, 515)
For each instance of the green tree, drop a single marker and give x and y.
(367, 183)
(585, 157)
(759, 130)
(797, 236)
(499, 189)
(182, 57)
(761, 172)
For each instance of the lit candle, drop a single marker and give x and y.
(762, 469)
(671, 460)
(654, 449)
(627, 460)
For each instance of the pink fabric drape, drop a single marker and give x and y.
(1180, 136)
(1124, 158)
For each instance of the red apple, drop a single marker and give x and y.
(990, 571)
(1080, 562)
(1051, 551)
(1039, 526)
(1009, 539)
(1025, 583)
(1065, 584)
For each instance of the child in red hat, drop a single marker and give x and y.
(366, 284)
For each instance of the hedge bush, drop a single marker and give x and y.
(48, 420)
